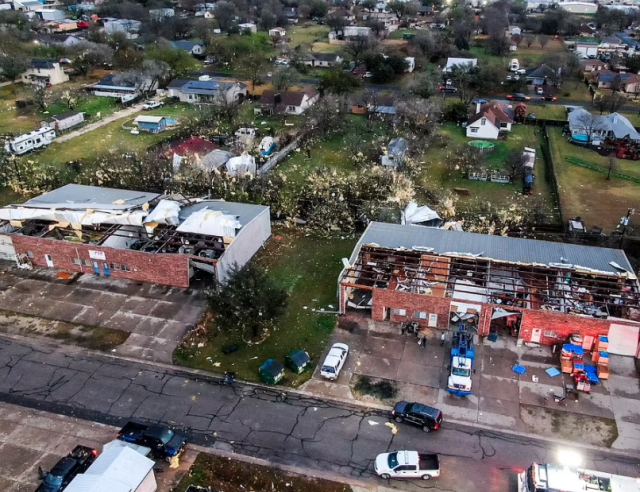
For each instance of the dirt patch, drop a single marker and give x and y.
(90, 337)
(237, 476)
(373, 390)
(571, 426)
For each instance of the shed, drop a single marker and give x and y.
(396, 150)
(271, 372)
(63, 121)
(298, 361)
(153, 124)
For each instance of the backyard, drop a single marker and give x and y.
(584, 188)
(307, 267)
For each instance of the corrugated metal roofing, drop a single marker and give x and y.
(80, 197)
(244, 211)
(498, 248)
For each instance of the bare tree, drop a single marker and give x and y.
(589, 123)
(529, 39)
(402, 10)
(71, 98)
(614, 101)
(284, 77)
(358, 45)
(612, 165)
(87, 56)
(146, 78)
(543, 39)
(336, 22)
(13, 65)
(253, 64)
(465, 79)
(600, 103)
(420, 116)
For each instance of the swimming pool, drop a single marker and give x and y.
(580, 138)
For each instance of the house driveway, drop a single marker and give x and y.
(500, 397)
(156, 316)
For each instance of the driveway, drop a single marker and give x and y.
(500, 397)
(123, 113)
(156, 316)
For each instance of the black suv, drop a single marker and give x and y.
(428, 418)
(66, 469)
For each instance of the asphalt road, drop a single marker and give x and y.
(298, 431)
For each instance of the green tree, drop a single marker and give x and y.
(12, 65)
(249, 302)
(180, 62)
(284, 77)
(338, 81)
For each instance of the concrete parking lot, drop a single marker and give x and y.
(156, 316)
(500, 398)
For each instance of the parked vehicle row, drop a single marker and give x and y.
(65, 470)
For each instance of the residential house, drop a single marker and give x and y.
(27, 5)
(553, 290)
(206, 14)
(160, 14)
(50, 14)
(631, 85)
(323, 60)
(351, 32)
(277, 32)
(45, 72)
(611, 80)
(460, 62)
(490, 119)
(288, 102)
(173, 88)
(588, 8)
(292, 14)
(595, 66)
(387, 19)
(193, 146)
(425, 10)
(541, 75)
(195, 49)
(111, 86)
(64, 121)
(134, 235)
(396, 152)
(629, 43)
(203, 91)
(611, 44)
(129, 27)
(66, 40)
(585, 126)
(248, 27)
(586, 48)
(151, 124)
(515, 31)
(383, 105)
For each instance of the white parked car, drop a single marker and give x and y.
(152, 105)
(334, 361)
(407, 464)
(367, 75)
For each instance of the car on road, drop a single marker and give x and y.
(65, 470)
(424, 416)
(518, 96)
(539, 91)
(407, 464)
(163, 441)
(448, 89)
(549, 97)
(334, 361)
(367, 75)
(152, 105)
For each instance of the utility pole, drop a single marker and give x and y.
(624, 222)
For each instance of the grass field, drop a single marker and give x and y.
(307, 33)
(10, 120)
(548, 111)
(586, 192)
(307, 267)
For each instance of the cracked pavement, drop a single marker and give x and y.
(298, 431)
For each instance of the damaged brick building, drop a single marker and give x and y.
(546, 291)
(146, 237)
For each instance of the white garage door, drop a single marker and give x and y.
(623, 339)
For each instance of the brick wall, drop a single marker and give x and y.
(383, 298)
(166, 269)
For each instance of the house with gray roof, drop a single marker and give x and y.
(44, 72)
(597, 128)
(209, 90)
(435, 277)
(195, 49)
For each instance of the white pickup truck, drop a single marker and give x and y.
(407, 464)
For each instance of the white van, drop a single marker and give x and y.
(514, 65)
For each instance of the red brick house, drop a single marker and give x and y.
(134, 235)
(438, 278)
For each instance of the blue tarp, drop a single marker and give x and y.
(574, 349)
(553, 372)
(519, 369)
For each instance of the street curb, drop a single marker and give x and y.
(295, 470)
(356, 403)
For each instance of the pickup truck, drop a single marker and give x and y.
(407, 464)
(163, 441)
(65, 470)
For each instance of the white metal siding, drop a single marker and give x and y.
(623, 339)
(148, 484)
(7, 250)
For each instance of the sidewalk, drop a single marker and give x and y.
(124, 113)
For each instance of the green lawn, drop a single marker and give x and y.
(12, 121)
(94, 108)
(307, 33)
(398, 33)
(308, 268)
(586, 192)
(548, 111)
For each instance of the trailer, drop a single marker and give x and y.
(461, 363)
(542, 477)
(33, 140)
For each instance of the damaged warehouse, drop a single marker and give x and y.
(135, 235)
(540, 291)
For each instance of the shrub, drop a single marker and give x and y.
(382, 390)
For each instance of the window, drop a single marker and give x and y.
(87, 263)
(483, 121)
(125, 268)
(76, 261)
(420, 315)
(400, 312)
(291, 108)
(474, 130)
(30, 254)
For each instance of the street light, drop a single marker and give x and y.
(569, 457)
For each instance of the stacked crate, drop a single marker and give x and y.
(603, 365)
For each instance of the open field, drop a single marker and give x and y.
(307, 267)
(307, 33)
(10, 120)
(586, 192)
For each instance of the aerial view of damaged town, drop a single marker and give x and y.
(319, 245)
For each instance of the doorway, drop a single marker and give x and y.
(49, 260)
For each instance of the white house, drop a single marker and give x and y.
(490, 119)
(587, 49)
(195, 49)
(63, 121)
(352, 32)
(128, 26)
(584, 126)
(323, 60)
(288, 102)
(159, 14)
(411, 64)
(203, 91)
(277, 31)
(452, 62)
(248, 26)
(206, 14)
(50, 14)
(45, 72)
(579, 7)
